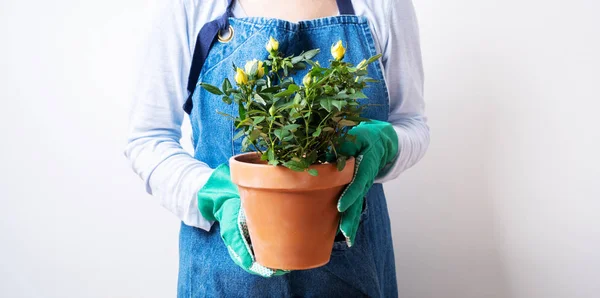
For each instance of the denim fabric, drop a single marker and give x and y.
(366, 269)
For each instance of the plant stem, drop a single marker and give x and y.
(333, 147)
(270, 128)
(255, 147)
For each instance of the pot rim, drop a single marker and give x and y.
(282, 178)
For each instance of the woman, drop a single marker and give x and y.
(198, 41)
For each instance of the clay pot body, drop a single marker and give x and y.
(292, 216)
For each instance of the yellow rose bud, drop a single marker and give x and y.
(307, 79)
(241, 77)
(248, 66)
(338, 51)
(272, 45)
(261, 69)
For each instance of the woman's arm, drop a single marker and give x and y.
(396, 25)
(153, 148)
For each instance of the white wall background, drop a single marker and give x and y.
(505, 204)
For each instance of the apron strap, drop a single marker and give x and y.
(207, 36)
(345, 7)
(203, 43)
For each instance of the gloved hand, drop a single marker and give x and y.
(376, 145)
(219, 200)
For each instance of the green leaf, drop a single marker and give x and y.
(367, 80)
(341, 162)
(341, 95)
(310, 54)
(257, 112)
(297, 99)
(313, 172)
(245, 122)
(270, 89)
(266, 96)
(327, 104)
(271, 154)
(265, 156)
(357, 95)
(295, 166)
(373, 59)
(226, 87)
(281, 133)
(328, 129)
(299, 66)
(242, 110)
(238, 97)
(291, 127)
(290, 90)
(297, 59)
(227, 99)
(328, 89)
(310, 158)
(258, 120)
(362, 72)
(282, 106)
(239, 134)
(295, 115)
(212, 89)
(254, 135)
(226, 115)
(274, 162)
(269, 78)
(346, 122)
(286, 82)
(317, 132)
(245, 144)
(339, 104)
(259, 99)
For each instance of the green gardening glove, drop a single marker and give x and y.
(376, 146)
(219, 200)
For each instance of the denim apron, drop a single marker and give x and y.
(367, 268)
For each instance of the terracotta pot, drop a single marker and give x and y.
(292, 216)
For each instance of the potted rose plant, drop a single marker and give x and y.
(290, 181)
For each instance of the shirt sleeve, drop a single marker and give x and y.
(170, 173)
(403, 71)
